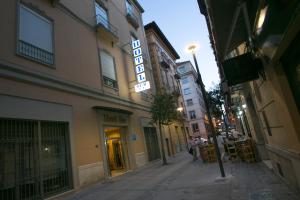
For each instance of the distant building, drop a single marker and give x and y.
(193, 99)
(163, 61)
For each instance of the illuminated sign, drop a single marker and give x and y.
(142, 86)
(139, 67)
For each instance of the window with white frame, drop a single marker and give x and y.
(129, 7)
(181, 69)
(195, 127)
(101, 15)
(192, 114)
(187, 91)
(189, 102)
(35, 36)
(108, 69)
(185, 80)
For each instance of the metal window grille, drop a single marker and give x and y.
(35, 53)
(34, 159)
(105, 23)
(110, 82)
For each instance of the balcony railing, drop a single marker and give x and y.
(104, 23)
(132, 19)
(164, 61)
(35, 53)
(110, 82)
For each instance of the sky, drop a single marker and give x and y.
(182, 23)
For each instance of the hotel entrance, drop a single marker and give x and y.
(114, 134)
(115, 150)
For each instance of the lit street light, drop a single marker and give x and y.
(192, 48)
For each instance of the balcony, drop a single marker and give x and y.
(110, 82)
(164, 61)
(132, 19)
(106, 30)
(35, 53)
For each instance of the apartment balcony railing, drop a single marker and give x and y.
(132, 19)
(110, 82)
(35, 53)
(106, 30)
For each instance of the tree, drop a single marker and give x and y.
(216, 101)
(163, 112)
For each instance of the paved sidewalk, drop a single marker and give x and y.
(183, 179)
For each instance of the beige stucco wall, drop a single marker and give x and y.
(278, 103)
(74, 45)
(75, 79)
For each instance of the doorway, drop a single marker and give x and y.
(152, 143)
(114, 140)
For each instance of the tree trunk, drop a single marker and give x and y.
(163, 155)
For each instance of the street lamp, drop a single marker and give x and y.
(192, 48)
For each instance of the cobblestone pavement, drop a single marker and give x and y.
(183, 179)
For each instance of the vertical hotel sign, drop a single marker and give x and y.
(139, 67)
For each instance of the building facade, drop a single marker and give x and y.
(193, 99)
(163, 57)
(69, 113)
(262, 74)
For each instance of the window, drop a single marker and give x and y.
(101, 16)
(192, 114)
(35, 37)
(189, 102)
(108, 70)
(181, 69)
(185, 80)
(195, 127)
(129, 7)
(187, 91)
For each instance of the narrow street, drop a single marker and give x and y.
(184, 179)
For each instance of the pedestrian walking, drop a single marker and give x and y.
(192, 147)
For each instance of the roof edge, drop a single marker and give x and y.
(138, 5)
(154, 26)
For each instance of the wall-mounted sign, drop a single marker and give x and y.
(139, 67)
(113, 118)
(133, 137)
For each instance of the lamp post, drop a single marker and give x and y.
(192, 49)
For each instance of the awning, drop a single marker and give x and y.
(111, 109)
(230, 22)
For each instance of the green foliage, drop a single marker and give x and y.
(215, 101)
(163, 109)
